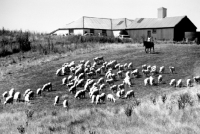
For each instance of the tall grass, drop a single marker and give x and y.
(162, 117)
(18, 41)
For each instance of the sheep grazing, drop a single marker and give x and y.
(120, 74)
(135, 73)
(113, 88)
(149, 67)
(80, 83)
(69, 85)
(5, 94)
(9, 99)
(64, 81)
(70, 77)
(87, 64)
(153, 69)
(152, 81)
(144, 67)
(100, 98)
(121, 68)
(59, 72)
(196, 79)
(98, 71)
(17, 96)
(47, 86)
(39, 92)
(121, 86)
(94, 91)
(56, 100)
(12, 92)
(30, 94)
(110, 97)
(125, 66)
(128, 74)
(80, 94)
(162, 70)
(172, 69)
(146, 81)
(172, 82)
(146, 72)
(189, 83)
(100, 81)
(129, 94)
(160, 79)
(179, 83)
(130, 66)
(26, 92)
(65, 104)
(72, 89)
(27, 98)
(110, 81)
(93, 98)
(120, 93)
(102, 86)
(127, 81)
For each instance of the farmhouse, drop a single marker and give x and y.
(160, 28)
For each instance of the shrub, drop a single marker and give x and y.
(23, 40)
(183, 100)
(128, 111)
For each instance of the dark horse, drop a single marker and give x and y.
(148, 46)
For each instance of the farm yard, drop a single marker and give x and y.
(82, 116)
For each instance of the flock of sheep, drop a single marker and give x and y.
(94, 78)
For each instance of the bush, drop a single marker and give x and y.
(128, 111)
(183, 100)
(23, 40)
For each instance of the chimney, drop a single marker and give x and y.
(162, 12)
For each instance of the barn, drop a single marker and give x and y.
(96, 26)
(162, 27)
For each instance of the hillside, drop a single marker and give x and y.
(36, 72)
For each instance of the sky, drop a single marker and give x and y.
(48, 15)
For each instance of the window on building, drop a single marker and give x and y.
(71, 31)
(104, 33)
(154, 31)
(92, 31)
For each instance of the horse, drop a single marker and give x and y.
(148, 45)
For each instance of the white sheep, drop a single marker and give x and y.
(146, 72)
(162, 69)
(94, 91)
(160, 79)
(127, 81)
(80, 94)
(153, 69)
(129, 94)
(144, 66)
(64, 81)
(179, 83)
(118, 94)
(9, 99)
(47, 86)
(93, 98)
(27, 98)
(120, 74)
(152, 81)
(172, 82)
(72, 89)
(189, 83)
(80, 83)
(12, 92)
(102, 86)
(56, 100)
(17, 96)
(149, 67)
(146, 81)
(100, 81)
(110, 97)
(5, 94)
(65, 104)
(196, 79)
(110, 81)
(113, 88)
(59, 72)
(39, 91)
(30, 94)
(121, 86)
(130, 66)
(172, 69)
(26, 92)
(135, 73)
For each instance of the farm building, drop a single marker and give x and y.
(160, 28)
(96, 26)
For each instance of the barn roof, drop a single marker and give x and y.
(140, 23)
(99, 23)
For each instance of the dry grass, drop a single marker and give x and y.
(83, 116)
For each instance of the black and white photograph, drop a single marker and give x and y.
(99, 67)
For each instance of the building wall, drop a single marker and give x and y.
(158, 34)
(109, 33)
(78, 31)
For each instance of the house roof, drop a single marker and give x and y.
(99, 23)
(155, 22)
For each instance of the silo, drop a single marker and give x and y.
(190, 36)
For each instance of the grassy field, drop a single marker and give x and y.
(34, 70)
